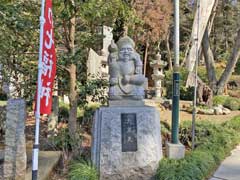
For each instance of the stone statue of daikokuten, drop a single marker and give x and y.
(125, 70)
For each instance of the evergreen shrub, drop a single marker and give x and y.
(232, 103)
(219, 100)
(63, 113)
(213, 143)
(227, 101)
(185, 93)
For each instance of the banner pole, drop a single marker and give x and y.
(39, 87)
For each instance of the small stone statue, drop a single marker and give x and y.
(125, 69)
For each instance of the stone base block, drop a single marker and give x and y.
(124, 103)
(175, 151)
(126, 142)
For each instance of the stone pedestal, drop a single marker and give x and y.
(126, 142)
(175, 151)
(15, 159)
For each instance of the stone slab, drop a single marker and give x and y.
(175, 151)
(15, 160)
(153, 102)
(94, 64)
(107, 154)
(230, 167)
(47, 162)
(129, 103)
(213, 178)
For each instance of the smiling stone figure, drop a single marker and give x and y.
(125, 69)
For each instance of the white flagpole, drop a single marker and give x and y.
(196, 76)
(39, 87)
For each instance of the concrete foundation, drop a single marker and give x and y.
(175, 151)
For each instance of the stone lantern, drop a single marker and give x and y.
(158, 75)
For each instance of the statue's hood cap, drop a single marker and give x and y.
(125, 40)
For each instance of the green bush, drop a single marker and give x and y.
(87, 115)
(62, 140)
(214, 143)
(237, 68)
(227, 101)
(232, 103)
(63, 113)
(82, 171)
(202, 73)
(219, 100)
(185, 93)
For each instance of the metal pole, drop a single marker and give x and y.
(39, 87)
(196, 77)
(176, 77)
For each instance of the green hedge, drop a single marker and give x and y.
(219, 100)
(227, 101)
(185, 93)
(214, 143)
(232, 103)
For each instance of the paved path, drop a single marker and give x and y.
(47, 161)
(230, 167)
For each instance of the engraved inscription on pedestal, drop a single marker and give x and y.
(129, 132)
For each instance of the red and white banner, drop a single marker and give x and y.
(48, 61)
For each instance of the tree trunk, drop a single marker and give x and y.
(209, 61)
(207, 52)
(212, 17)
(225, 16)
(230, 65)
(72, 35)
(198, 28)
(145, 58)
(72, 123)
(186, 52)
(214, 44)
(170, 67)
(53, 118)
